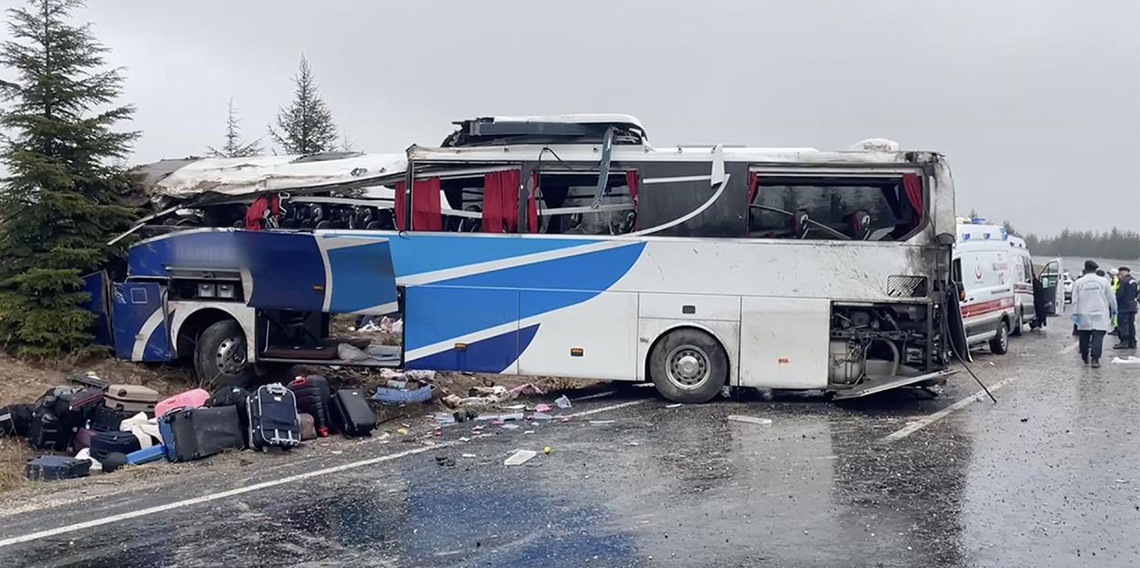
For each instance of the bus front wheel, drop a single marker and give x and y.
(220, 356)
(688, 365)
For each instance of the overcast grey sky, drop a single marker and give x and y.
(1035, 102)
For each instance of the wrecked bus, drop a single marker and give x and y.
(568, 246)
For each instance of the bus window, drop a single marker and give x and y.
(567, 203)
(832, 208)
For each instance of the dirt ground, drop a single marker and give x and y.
(23, 381)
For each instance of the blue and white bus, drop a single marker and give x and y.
(568, 246)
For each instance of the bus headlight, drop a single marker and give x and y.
(207, 291)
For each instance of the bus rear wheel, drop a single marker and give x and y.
(220, 356)
(688, 365)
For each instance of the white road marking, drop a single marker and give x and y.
(1069, 348)
(606, 408)
(290, 479)
(932, 418)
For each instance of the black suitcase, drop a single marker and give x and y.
(235, 397)
(15, 419)
(314, 397)
(273, 418)
(49, 468)
(351, 413)
(196, 433)
(46, 433)
(105, 419)
(104, 443)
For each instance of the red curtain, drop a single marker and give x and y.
(256, 212)
(753, 180)
(501, 201)
(425, 205)
(631, 182)
(912, 186)
(531, 205)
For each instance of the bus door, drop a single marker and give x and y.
(139, 321)
(1049, 297)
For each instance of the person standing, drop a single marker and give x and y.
(1127, 293)
(1094, 304)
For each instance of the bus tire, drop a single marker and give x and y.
(220, 356)
(1000, 343)
(1017, 324)
(688, 365)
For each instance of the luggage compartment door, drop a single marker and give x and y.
(139, 321)
(461, 329)
(784, 342)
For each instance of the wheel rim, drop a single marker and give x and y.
(1004, 340)
(231, 355)
(687, 366)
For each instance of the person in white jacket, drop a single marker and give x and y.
(1094, 305)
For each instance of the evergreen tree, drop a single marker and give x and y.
(234, 147)
(60, 202)
(306, 125)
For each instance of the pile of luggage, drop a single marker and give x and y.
(107, 426)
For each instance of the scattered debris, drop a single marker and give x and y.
(520, 457)
(1025, 419)
(445, 461)
(509, 426)
(469, 456)
(676, 405)
(411, 392)
(546, 450)
(541, 416)
(402, 431)
(750, 420)
(542, 408)
(562, 402)
(602, 421)
(1130, 360)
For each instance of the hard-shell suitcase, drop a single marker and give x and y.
(49, 468)
(308, 426)
(103, 443)
(83, 438)
(351, 413)
(236, 397)
(131, 398)
(104, 419)
(147, 455)
(314, 397)
(15, 419)
(46, 433)
(273, 418)
(195, 433)
(189, 399)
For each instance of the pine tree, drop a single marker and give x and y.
(306, 125)
(234, 147)
(60, 202)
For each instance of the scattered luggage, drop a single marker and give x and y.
(104, 419)
(50, 468)
(314, 397)
(147, 455)
(273, 419)
(104, 443)
(195, 433)
(82, 438)
(15, 419)
(46, 433)
(351, 413)
(189, 399)
(308, 426)
(236, 397)
(131, 398)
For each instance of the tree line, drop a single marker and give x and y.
(1114, 244)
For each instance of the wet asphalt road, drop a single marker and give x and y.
(1050, 476)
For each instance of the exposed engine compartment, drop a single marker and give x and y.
(883, 340)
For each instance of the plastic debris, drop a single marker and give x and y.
(445, 418)
(347, 352)
(509, 426)
(525, 388)
(469, 455)
(402, 431)
(542, 408)
(541, 416)
(546, 450)
(520, 457)
(528, 431)
(562, 402)
(1130, 360)
(602, 421)
(677, 405)
(750, 420)
(85, 454)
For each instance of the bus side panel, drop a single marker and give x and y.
(784, 342)
(97, 284)
(461, 329)
(139, 322)
(603, 326)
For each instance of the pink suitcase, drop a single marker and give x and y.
(189, 399)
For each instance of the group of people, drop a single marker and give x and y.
(1098, 303)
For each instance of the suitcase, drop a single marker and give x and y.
(50, 468)
(15, 419)
(147, 455)
(314, 398)
(273, 418)
(46, 433)
(236, 397)
(189, 399)
(308, 426)
(82, 438)
(104, 443)
(104, 419)
(131, 398)
(351, 413)
(196, 433)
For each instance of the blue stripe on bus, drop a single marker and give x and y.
(491, 355)
(417, 254)
(361, 277)
(157, 347)
(453, 308)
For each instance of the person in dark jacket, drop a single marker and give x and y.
(1126, 307)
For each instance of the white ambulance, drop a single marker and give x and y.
(983, 269)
